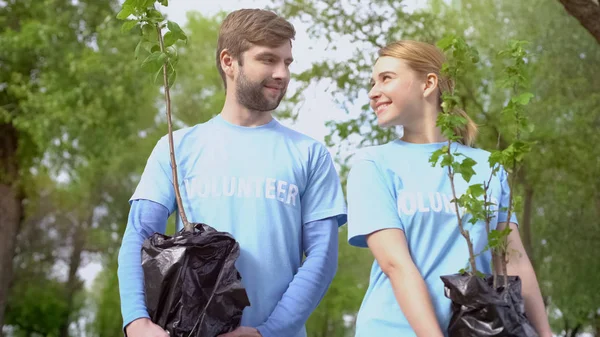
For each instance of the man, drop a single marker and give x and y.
(275, 190)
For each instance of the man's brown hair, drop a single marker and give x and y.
(246, 27)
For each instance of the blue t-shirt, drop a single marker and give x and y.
(261, 184)
(395, 186)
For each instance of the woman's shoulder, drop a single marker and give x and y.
(374, 153)
(478, 154)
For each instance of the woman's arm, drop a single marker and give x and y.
(390, 249)
(519, 264)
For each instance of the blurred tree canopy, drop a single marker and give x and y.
(78, 119)
(71, 108)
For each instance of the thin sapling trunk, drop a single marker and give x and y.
(461, 228)
(186, 225)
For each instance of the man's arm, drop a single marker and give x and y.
(323, 210)
(145, 218)
(320, 243)
(519, 264)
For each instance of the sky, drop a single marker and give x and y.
(318, 107)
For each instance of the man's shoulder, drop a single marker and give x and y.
(303, 141)
(186, 134)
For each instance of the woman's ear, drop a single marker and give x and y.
(431, 85)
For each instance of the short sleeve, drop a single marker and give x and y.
(156, 183)
(323, 196)
(505, 199)
(371, 202)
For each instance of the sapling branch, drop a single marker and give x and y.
(504, 260)
(487, 205)
(150, 22)
(488, 219)
(450, 123)
(463, 232)
(515, 80)
(186, 225)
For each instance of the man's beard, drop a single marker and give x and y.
(251, 95)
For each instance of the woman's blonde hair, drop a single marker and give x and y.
(425, 58)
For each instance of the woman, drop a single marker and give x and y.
(399, 205)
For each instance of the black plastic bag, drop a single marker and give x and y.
(192, 286)
(478, 310)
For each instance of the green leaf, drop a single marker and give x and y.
(146, 3)
(466, 169)
(178, 34)
(476, 190)
(170, 39)
(173, 55)
(457, 121)
(495, 158)
(158, 77)
(446, 42)
(174, 27)
(162, 58)
(149, 32)
(138, 4)
(155, 16)
(523, 99)
(435, 157)
(152, 62)
(125, 12)
(138, 49)
(173, 62)
(446, 160)
(164, 2)
(128, 25)
(172, 77)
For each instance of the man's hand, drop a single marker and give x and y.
(144, 327)
(242, 331)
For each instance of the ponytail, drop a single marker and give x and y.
(468, 131)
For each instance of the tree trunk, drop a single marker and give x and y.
(10, 209)
(73, 282)
(587, 12)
